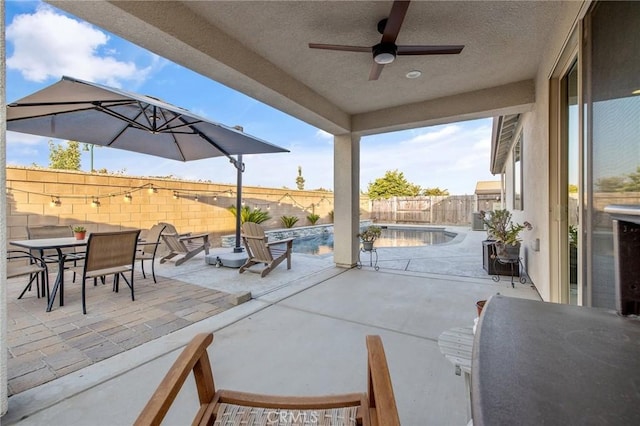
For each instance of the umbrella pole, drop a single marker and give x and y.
(239, 169)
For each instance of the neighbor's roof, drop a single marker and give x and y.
(488, 187)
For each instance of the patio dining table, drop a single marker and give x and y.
(57, 244)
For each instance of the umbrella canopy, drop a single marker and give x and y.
(87, 112)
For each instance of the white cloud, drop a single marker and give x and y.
(451, 157)
(15, 138)
(321, 134)
(47, 44)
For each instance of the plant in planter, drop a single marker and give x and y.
(313, 218)
(505, 233)
(80, 232)
(289, 221)
(573, 254)
(369, 235)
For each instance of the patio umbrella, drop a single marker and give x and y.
(87, 112)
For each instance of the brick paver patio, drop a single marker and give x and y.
(46, 345)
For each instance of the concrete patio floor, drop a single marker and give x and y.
(301, 334)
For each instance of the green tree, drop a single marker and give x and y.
(300, 179)
(632, 183)
(64, 158)
(435, 192)
(611, 184)
(393, 184)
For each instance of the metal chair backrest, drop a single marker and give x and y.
(106, 250)
(50, 231)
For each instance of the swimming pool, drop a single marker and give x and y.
(391, 237)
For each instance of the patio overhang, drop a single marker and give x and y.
(330, 90)
(504, 130)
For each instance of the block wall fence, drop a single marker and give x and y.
(37, 197)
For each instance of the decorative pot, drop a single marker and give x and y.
(508, 252)
(80, 235)
(367, 245)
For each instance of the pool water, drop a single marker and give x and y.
(391, 237)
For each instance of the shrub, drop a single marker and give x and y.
(289, 221)
(248, 215)
(331, 216)
(313, 218)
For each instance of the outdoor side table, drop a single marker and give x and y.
(373, 258)
(456, 345)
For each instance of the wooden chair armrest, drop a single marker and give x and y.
(193, 357)
(382, 401)
(190, 236)
(288, 241)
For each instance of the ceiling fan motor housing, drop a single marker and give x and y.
(384, 53)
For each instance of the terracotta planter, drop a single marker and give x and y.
(480, 305)
(80, 235)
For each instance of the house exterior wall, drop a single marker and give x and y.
(535, 158)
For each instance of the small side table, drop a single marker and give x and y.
(373, 254)
(456, 345)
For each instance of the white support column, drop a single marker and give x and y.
(3, 221)
(346, 182)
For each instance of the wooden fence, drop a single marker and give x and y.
(440, 210)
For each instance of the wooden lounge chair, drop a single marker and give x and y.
(148, 248)
(261, 251)
(377, 406)
(183, 247)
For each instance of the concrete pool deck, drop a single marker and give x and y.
(302, 337)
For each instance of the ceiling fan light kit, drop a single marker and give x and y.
(386, 51)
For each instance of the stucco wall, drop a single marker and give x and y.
(536, 158)
(31, 190)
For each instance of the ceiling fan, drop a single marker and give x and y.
(386, 51)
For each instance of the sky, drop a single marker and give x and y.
(44, 43)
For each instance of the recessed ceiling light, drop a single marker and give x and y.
(414, 74)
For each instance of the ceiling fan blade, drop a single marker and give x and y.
(430, 50)
(376, 70)
(340, 47)
(394, 21)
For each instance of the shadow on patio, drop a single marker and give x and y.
(302, 334)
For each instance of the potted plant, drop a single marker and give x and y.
(573, 254)
(369, 235)
(80, 232)
(505, 233)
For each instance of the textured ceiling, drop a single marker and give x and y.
(261, 49)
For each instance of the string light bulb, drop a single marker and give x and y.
(95, 202)
(196, 198)
(127, 197)
(55, 202)
(175, 195)
(152, 189)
